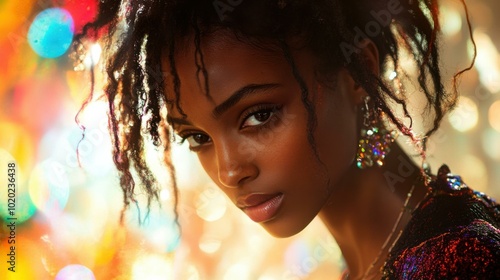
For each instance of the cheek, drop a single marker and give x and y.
(207, 161)
(336, 135)
(337, 142)
(290, 164)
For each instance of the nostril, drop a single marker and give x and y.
(243, 180)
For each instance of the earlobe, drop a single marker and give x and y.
(356, 93)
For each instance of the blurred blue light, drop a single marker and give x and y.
(51, 33)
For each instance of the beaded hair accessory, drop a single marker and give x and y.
(375, 139)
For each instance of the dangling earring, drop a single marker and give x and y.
(375, 139)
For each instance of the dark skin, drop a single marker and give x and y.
(259, 145)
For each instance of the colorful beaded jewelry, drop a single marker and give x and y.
(375, 139)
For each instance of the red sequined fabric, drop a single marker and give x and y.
(453, 234)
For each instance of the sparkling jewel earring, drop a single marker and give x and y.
(375, 139)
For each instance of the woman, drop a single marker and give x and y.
(286, 105)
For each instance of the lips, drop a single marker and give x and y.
(261, 207)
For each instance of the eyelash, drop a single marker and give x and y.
(274, 109)
(184, 136)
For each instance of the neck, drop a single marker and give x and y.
(365, 206)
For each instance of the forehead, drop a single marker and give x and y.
(229, 64)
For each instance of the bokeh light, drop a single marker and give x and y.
(473, 170)
(295, 254)
(51, 33)
(75, 272)
(160, 229)
(453, 21)
(49, 187)
(25, 209)
(465, 116)
(487, 61)
(17, 141)
(211, 204)
(192, 273)
(491, 146)
(240, 271)
(83, 11)
(152, 267)
(209, 244)
(494, 115)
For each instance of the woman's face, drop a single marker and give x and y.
(251, 138)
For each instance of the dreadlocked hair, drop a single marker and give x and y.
(140, 33)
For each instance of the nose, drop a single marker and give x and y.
(234, 168)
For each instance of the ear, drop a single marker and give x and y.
(369, 54)
(370, 59)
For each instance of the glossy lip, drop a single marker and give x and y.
(260, 207)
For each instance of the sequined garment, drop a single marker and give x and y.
(453, 234)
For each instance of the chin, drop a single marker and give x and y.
(283, 228)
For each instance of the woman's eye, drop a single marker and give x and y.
(195, 139)
(258, 118)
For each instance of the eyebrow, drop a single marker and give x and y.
(177, 121)
(228, 103)
(239, 95)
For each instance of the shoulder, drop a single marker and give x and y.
(465, 251)
(455, 232)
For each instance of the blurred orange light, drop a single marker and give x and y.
(494, 115)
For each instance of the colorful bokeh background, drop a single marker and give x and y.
(67, 213)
